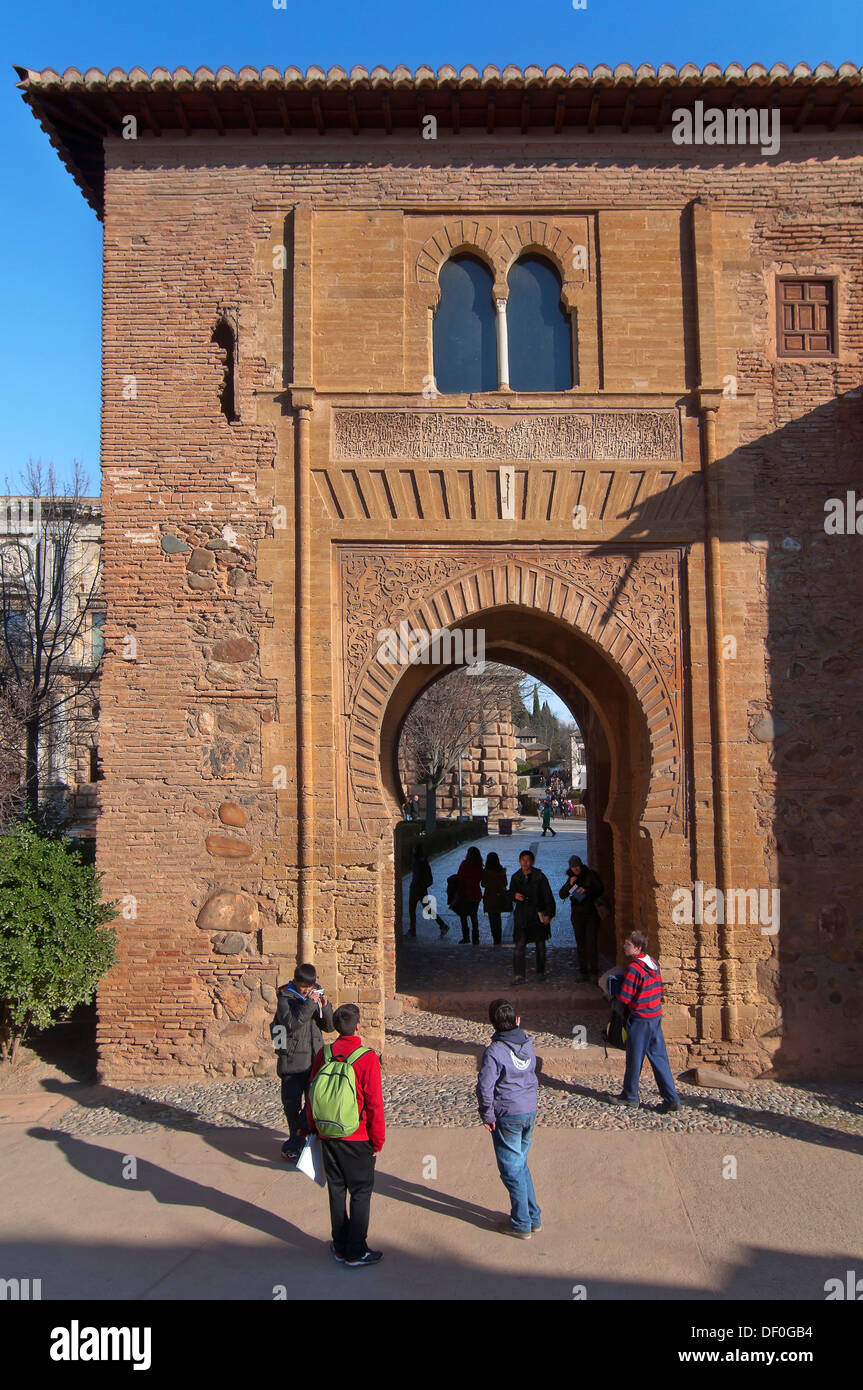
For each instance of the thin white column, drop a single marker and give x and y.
(502, 346)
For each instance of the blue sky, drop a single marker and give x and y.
(50, 240)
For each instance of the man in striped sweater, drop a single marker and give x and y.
(641, 995)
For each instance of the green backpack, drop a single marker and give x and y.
(333, 1094)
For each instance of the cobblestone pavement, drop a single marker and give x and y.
(429, 962)
(831, 1115)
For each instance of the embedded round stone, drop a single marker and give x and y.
(224, 847)
(231, 814)
(204, 582)
(172, 545)
(230, 945)
(226, 911)
(234, 650)
(200, 560)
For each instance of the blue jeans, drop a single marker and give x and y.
(644, 1039)
(511, 1136)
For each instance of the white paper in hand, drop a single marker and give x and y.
(311, 1161)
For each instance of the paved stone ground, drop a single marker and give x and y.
(431, 962)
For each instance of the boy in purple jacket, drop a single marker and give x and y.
(506, 1091)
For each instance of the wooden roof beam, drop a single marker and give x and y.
(318, 114)
(593, 112)
(525, 113)
(804, 112)
(148, 112)
(559, 112)
(215, 114)
(87, 115)
(250, 113)
(181, 116)
(664, 111)
(352, 114)
(455, 113)
(283, 112)
(839, 110)
(388, 113)
(628, 109)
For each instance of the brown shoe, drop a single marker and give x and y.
(507, 1229)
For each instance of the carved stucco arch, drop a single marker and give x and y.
(459, 237)
(547, 240)
(627, 605)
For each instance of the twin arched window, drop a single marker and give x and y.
(526, 343)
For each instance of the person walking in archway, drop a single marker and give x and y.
(422, 879)
(546, 819)
(534, 909)
(584, 888)
(470, 894)
(495, 895)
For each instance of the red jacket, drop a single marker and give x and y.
(369, 1094)
(470, 876)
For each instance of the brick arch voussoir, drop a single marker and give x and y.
(540, 237)
(467, 596)
(453, 239)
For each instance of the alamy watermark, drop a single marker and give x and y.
(443, 646)
(733, 907)
(736, 126)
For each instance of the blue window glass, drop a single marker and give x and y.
(540, 341)
(465, 337)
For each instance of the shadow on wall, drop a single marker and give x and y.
(809, 801)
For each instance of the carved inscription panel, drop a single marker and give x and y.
(430, 436)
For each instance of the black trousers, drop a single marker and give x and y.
(495, 924)
(350, 1168)
(586, 928)
(295, 1093)
(415, 897)
(472, 915)
(518, 955)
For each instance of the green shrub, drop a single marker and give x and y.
(54, 944)
(446, 835)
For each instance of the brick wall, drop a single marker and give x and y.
(199, 828)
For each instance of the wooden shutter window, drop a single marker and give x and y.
(806, 318)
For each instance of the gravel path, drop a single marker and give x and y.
(830, 1115)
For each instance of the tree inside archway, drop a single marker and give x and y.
(450, 716)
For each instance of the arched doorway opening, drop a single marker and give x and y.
(617, 739)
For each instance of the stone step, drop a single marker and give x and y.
(560, 997)
(462, 1059)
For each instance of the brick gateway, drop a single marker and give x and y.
(279, 483)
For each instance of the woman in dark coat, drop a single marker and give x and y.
(495, 895)
(534, 908)
(470, 893)
(421, 881)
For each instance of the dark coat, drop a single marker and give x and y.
(538, 898)
(494, 890)
(303, 1020)
(584, 911)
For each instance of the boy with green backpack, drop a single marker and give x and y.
(346, 1109)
